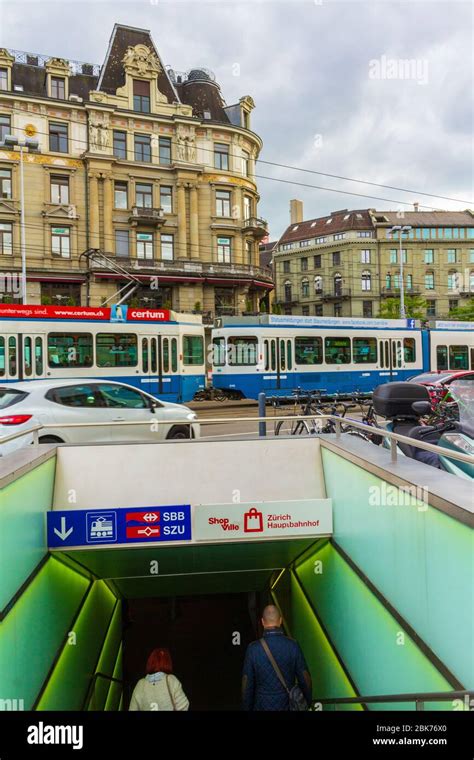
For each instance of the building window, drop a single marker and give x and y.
(120, 144)
(431, 308)
(59, 189)
(304, 265)
(3, 79)
(365, 256)
(367, 309)
(317, 262)
(223, 250)
(166, 199)
(429, 256)
(471, 282)
(58, 88)
(318, 284)
(61, 292)
(5, 183)
(304, 288)
(366, 282)
(393, 256)
(6, 239)
(249, 251)
(396, 281)
(245, 163)
(287, 289)
(141, 96)
(364, 234)
(122, 243)
(223, 202)
(338, 310)
(167, 247)
(338, 284)
(340, 236)
(471, 255)
(320, 240)
(454, 280)
(120, 195)
(409, 281)
(5, 126)
(305, 310)
(336, 258)
(221, 156)
(58, 139)
(286, 267)
(453, 304)
(61, 242)
(429, 281)
(143, 195)
(164, 150)
(451, 255)
(144, 246)
(318, 310)
(143, 148)
(247, 207)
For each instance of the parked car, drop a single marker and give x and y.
(57, 402)
(438, 382)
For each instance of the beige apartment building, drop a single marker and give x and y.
(347, 263)
(143, 166)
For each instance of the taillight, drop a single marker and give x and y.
(15, 419)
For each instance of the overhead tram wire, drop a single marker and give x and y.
(302, 169)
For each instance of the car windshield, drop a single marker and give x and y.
(8, 397)
(462, 391)
(430, 377)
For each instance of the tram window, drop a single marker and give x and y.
(273, 355)
(441, 357)
(70, 350)
(116, 349)
(337, 350)
(396, 353)
(218, 352)
(153, 355)
(174, 355)
(193, 349)
(282, 355)
(308, 351)
(458, 357)
(27, 357)
(288, 353)
(267, 355)
(2, 357)
(409, 350)
(39, 356)
(166, 355)
(145, 354)
(364, 350)
(242, 350)
(472, 358)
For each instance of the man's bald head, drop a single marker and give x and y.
(271, 616)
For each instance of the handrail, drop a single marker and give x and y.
(90, 691)
(394, 437)
(419, 698)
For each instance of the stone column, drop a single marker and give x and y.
(181, 247)
(109, 242)
(194, 221)
(94, 210)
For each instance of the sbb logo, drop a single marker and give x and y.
(173, 516)
(151, 517)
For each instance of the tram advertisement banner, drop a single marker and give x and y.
(262, 520)
(115, 313)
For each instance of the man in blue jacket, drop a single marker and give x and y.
(261, 687)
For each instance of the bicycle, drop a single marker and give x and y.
(310, 407)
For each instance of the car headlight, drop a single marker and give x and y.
(191, 416)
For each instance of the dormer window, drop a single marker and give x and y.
(58, 88)
(141, 96)
(3, 79)
(328, 221)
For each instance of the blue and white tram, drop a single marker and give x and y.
(277, 354)
(152, 349)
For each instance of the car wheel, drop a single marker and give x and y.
(179, 432)
(50, 439)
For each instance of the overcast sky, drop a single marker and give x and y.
(331, 91)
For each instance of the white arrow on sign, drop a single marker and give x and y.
(63, 533)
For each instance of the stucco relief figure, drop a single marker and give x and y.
(181, 143)
(98, 135)
(186, 148)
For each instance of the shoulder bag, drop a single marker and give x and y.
(296, 697)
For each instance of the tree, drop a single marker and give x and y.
(276, 308)
(415, 307)
(464, 313)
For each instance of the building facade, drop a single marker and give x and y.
(347, 263)
(144, 183)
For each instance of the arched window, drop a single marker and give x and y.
(454, 280)
(287, 286)
(318, 284)
(388, 281)
(305, 287)
(338, 284)
(366, 280)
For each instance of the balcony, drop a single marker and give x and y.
(338, 294)
(149, 216)
(395, 292)
(256, 226)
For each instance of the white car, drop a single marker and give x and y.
(57, 402)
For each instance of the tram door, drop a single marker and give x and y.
(31, 356)
(278, 363)
(168, 369)
(9, 366)
(150, 375)
(391, 355)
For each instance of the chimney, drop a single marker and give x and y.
(416, 205)
(296, 211)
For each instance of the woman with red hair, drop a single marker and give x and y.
(160, 689)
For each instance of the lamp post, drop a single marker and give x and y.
(11, 141)
(401, 229)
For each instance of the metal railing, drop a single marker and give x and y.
(40, 60)
(91, 690)
(420, 699)
(339, 421)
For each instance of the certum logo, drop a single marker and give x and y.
(45, 734)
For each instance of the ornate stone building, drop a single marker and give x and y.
(145, 167)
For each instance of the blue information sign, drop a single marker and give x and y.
(124, 525)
